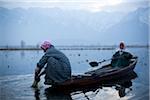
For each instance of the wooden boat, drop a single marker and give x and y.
(97, 78)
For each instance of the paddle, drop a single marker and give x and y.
(94, 63)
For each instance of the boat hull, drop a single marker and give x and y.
(83, 82)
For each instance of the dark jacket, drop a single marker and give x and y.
(58, 66)
(122, 60)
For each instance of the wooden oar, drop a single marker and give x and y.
(94, 63)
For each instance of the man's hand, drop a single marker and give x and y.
(36, 77)
(37, 70)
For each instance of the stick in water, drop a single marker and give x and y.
(37, 79)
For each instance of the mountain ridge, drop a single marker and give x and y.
(67, 26)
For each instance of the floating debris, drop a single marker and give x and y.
(79, 55)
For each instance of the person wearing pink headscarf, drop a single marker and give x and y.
(46, 45)
(58, 67)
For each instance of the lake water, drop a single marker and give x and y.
(17, 68)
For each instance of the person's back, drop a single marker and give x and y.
(121, 58)
(53, 52)
(58, 68)
(62, 68)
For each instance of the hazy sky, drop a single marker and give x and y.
(91, 5)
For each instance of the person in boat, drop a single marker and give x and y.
(58, 68)
(121, 58)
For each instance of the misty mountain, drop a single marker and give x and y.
(133, 28)
(71, 26)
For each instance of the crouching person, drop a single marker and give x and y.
(58, 67)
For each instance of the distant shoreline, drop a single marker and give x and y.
(74, 47)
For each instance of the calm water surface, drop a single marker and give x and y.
(16, 68)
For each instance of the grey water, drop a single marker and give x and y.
(17, 68)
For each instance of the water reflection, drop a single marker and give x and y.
(121, 85)
(18, 87)
(37, 94)
(52, 94)
(125, 83)
(22, 53)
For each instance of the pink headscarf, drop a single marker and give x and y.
(46, 45)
